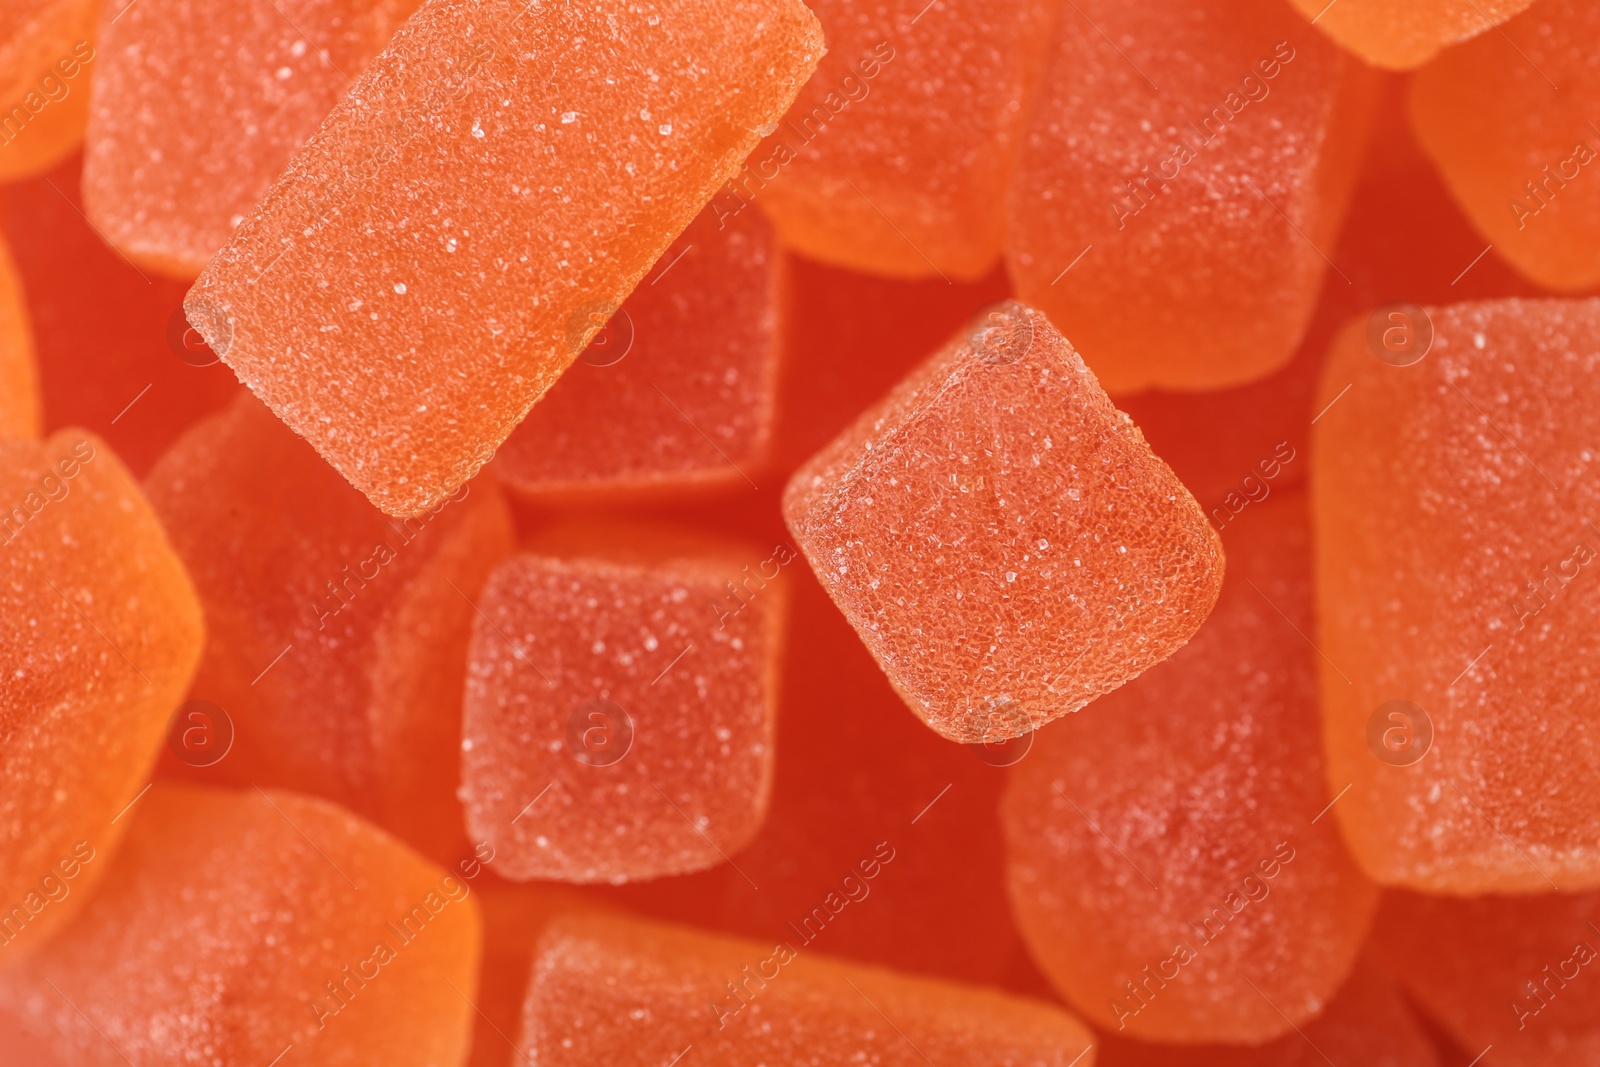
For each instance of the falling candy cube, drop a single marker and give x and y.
(198, 106)
(19, 376)
(99, 635)
(1001, 537)
(277, 924)
(1143, 895)
(620, 706)
(436, 256)
(1402, 34)
(632, 994)
(1454, 479)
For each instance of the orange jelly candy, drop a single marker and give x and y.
(46, 52)
(1454, 478)
(1178, 229)
(677, 392)
(1507, 977)
(242, 927)
(1001, 537)
(1514, 149)
(889, 161)
(631, 994)
(620, 706)
(19, 375)
(599, 129)
(1149, 902)
(338, 636)
(99, 635)
(198, 106)
(1402, 34)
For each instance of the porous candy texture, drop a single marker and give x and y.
(1181, 184)
(633, 994)
(1001, 537)
(895, 156)
(199, 105)
(20, 412)
(621, 706)
(235, 926)
(1405, 34)
(1514, 150)
(100, 632)
(1144, 890)
(1453, 503)
(1511, 972)
(678, 392)
(433, 259)
(46, 55)
(338, 635)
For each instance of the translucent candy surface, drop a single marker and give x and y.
(678, 391)
(1507, 972)
(236, 926)
(634, 994)
(199, 105)
(600, 130)
(1152, 902)
(46, 54)
(513, 919)
(895, 157)
(620, 706)
(99, 636)
(1516, 150)
(19, 376)
(1001, 537)
(1180, 186)
(338, 636)
(1452, 501)
(1402, 34)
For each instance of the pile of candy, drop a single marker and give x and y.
(728, 532)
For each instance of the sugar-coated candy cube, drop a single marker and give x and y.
(239, 927)
(338, 636)
(620, 704)
(1149, 902)
(1178, 193)
(1403, 34)
(1513, 148)
(100, 632)
(634, 994)
(514, 916)
(1001, 537)
(559, 150)
(894, 158)
(677, 392)
(46, 54)
(199, 105)
(1454, 480)
(19, 376)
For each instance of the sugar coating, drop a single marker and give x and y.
(1368, 1022)
(20, 411)
(40, 40)
(1001, 537)
(1202, 775)
(629, 993)
(895, 156)
(338, 635)
(1506, 971)
(1405, 34)
(1203, 211)
(1513, 151)
(1454, 502)
(690, 678)
(199, 105)
(690, 401)
(513, 918)
(431, 260)
(100, 632)
(228, 923)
